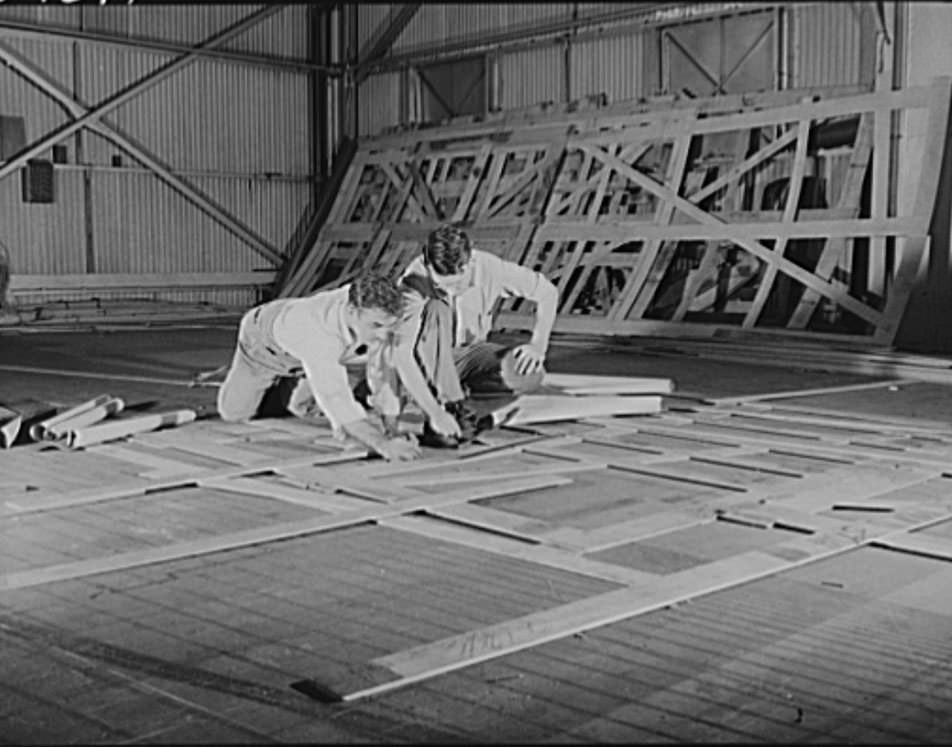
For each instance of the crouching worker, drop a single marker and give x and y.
(452, 290)
(318, 337)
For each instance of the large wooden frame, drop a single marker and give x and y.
(734, 212)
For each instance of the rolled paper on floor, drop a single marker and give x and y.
(95, 434)
(19, 414)
(591, 384)
(532, 408)
(54, 427)
(85, 418)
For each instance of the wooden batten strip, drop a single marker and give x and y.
(393, 671)
(34, 504)
(919, 543)
(547, 556)
(262, 535)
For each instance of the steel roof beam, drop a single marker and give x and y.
(383, 38)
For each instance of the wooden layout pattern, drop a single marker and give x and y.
(743, 215)
(419, 569)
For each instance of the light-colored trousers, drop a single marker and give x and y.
(263, 379)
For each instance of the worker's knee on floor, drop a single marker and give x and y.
(517, 382)
(234, 410)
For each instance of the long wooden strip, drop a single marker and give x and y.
(773, 439)
(923, 208)
(794, 188)
(655, 256)
(753, 246)
(849, 199)
(815, 493)
(322, 501)
(724, 401)
(547, 556)
(396, 670)
(34, 504)
(261, 535)
(715, 228)
(919, 543)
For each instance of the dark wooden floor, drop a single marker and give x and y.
(112, 631)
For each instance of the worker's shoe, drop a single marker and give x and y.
(466, 419)
(435, 440)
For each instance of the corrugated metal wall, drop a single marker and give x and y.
(240, 133)
(453, 21)
(532, 76)
(613, 66)
(825, 39)
(378, 103)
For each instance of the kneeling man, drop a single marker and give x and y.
(452, 290)
(318, 337)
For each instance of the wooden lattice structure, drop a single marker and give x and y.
(755, 214)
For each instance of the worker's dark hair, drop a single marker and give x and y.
(372, 290)
(447, 250)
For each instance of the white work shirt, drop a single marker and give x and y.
(314, 330)
(493, 279)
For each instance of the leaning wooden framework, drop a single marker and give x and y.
(742, 213)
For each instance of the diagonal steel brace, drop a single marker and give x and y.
(107, 130)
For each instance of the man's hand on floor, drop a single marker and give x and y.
(445, 424)
(400, 449)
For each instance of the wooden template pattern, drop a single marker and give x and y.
(742, 213)
(633, 513)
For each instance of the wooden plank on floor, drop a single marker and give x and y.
(429, 660)
(920, 543)
(262, 535)
(31, 504)
(547, 556)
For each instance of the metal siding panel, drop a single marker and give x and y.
(284, 34)
(44, 238)
(55, 16)
(379, 103)
(369, 19)
(181, 24)
(828, 45)
(212, 115)
(142, 225)
(19, 97)
(427, 26)
(441, 23)
(612, 65)
(531, 76)
(519, 14)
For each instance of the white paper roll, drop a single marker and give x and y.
(95, 434)
(76, 417)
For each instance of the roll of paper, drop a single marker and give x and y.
(95, 434)
(19, 414)
(76, 417)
